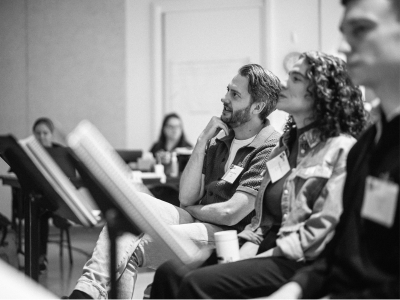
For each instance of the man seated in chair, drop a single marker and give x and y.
(217, 189)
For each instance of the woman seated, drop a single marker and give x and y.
(171, 137)
(43, 130)
(299, 202)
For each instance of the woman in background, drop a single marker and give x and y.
(171, 137)
(43, 130)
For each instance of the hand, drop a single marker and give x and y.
(251, 236)
(248, 250)
(163, 157)
(213, 128)
(189, 208)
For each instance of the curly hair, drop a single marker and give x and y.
(338, 106)
(264, 86)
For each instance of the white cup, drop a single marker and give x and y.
(227, 246)
(159, 169)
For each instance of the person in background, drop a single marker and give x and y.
(236, 144)
(43, 130)
(172, 136)
(299, 201)
(362, 260)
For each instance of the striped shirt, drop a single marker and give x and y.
(252, 158)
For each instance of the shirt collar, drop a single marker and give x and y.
(312, 137)
(309, 134)
(259, 140)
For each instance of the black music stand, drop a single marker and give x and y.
(117, 221)
(38, 193)
(129, 156)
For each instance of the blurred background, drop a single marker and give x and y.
(124, 64)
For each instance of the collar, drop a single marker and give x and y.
(310, 136)
(383, 120)
(258, 141)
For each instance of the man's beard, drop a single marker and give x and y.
(237, 118)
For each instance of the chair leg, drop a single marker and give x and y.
(61, 242)
(69, 247)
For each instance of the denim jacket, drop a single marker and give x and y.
(311, 200)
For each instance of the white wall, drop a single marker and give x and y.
(201, 57)
(93, 59)
(291, 25)
(139, 114)
(13, 81)
(65, 60)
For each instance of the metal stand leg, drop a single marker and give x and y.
(32, 237)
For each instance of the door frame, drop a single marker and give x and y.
(158, 11)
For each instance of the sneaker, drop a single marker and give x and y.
(147, 291)
(77, 294)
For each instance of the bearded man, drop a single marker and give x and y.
(217, 188)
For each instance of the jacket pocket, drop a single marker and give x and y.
(309, 183)
(323, 171)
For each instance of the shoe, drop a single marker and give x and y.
(77, 294)
(42, 264)
(147, 291)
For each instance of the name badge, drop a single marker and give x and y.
(233, 173)
(380, 201)
(278, 167)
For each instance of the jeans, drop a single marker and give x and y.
(140, 251)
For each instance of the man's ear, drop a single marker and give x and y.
(258, 107)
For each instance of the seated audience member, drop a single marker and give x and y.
(299, 202)
(362, 260)
(171, 137)
(43, 129)
(243, 138)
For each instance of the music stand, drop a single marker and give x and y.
(38, 192)
(129, 155)
(109, 179)
(117, 222)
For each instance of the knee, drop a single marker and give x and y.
(192, 286)
(189, 280)
(166, 281)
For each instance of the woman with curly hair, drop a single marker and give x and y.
(299, 201)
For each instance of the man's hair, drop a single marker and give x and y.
(395, 5)
(264, 86)
(45, 121)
